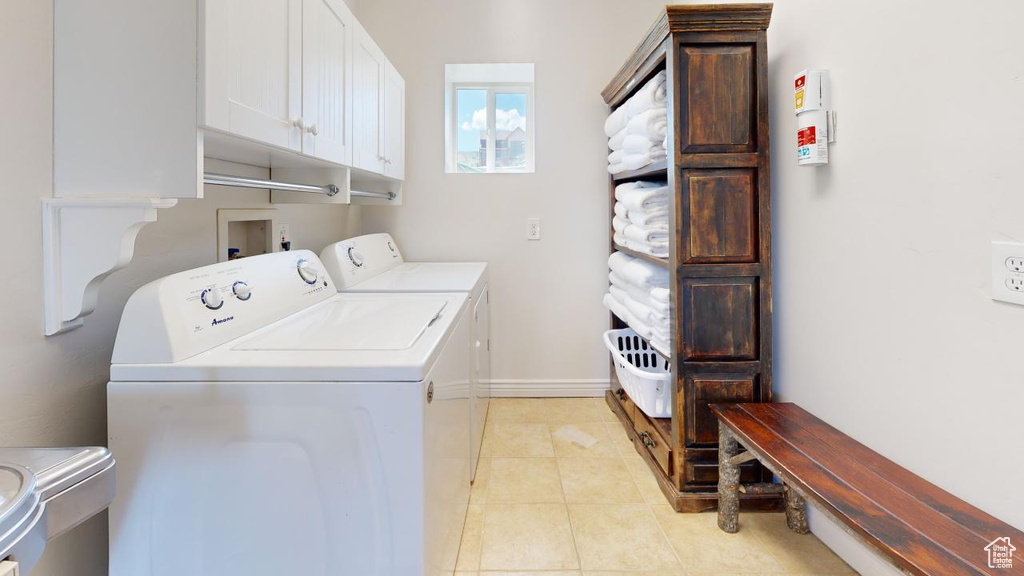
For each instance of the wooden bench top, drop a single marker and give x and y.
(917, 525)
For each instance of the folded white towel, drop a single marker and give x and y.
(642, 311)
(637, 161)
(641, 328)
(655, 225)
(615, 307)
(639, 144)
(621, 211)
(656, 250)
(614, 169)
(656, 216)
(658, 307)
(654, 94)
(659, 294)
(637, 272)
(620, 240)
(642, 196)
(616, 121)
(653, 237)
(652, 124)
(616, 156)
(662, 346)
(615, 142)
(619, 224)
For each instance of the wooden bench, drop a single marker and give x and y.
(910, 522)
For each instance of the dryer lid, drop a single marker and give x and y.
(18, 504)
(353, 325)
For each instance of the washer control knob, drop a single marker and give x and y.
(355, 256)
(307, 272)
(211, 298)
(242, 290)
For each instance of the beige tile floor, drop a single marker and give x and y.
(543, 504)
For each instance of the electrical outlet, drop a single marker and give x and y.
(533, 228)
(1008, 272)
(283, 234)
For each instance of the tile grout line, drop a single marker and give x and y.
(565, 501)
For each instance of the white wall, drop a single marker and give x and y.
(883, 322)
(884, 325)
(547, 316)
(53, 390)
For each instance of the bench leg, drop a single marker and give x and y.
(796, 511)
(728, 482)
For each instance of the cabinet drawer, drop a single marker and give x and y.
(651, 439)
(627, 404)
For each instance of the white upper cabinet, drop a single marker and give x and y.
(144, 90)
(327, 40)
(394, 124)
(253, 70)
(370, 67)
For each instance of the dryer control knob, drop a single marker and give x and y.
(242, 290)
(307, 272)
(211, 298)
(356, 257)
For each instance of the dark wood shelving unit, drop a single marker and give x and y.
(663, 262)
(659, 168)
(715, 58)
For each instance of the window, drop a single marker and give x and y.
(489, 118)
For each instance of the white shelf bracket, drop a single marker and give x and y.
(84, 241)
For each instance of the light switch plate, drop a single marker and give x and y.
(1008, 272)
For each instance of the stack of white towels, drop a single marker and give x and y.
(641, 217)
(638, 129)
(639, 296)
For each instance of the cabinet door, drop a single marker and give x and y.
(252, 69)
(394, 123)
(326, 80)
(367, 103)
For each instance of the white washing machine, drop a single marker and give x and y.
(373, 263)
(265, 424)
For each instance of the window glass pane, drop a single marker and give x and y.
(471, 130)
(510, 136)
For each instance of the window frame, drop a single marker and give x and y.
(491, 88)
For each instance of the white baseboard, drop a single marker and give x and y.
(549, 388)
(861, 558)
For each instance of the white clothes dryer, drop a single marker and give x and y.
(373, 263)
(265, 424)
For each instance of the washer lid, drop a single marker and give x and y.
(425, 277)
(18, 504)
(353, 325)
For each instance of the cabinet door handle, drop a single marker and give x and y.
(298, 123)
(312, 129)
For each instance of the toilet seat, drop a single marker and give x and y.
(22, 534)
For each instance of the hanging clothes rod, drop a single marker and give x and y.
(328, 190)
(388, 195)
(240, 182)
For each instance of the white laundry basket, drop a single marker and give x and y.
(642, 372)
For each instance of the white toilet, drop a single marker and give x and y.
(44, 492)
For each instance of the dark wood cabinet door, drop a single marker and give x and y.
(718, 98)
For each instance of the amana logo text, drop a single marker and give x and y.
(222, 320)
